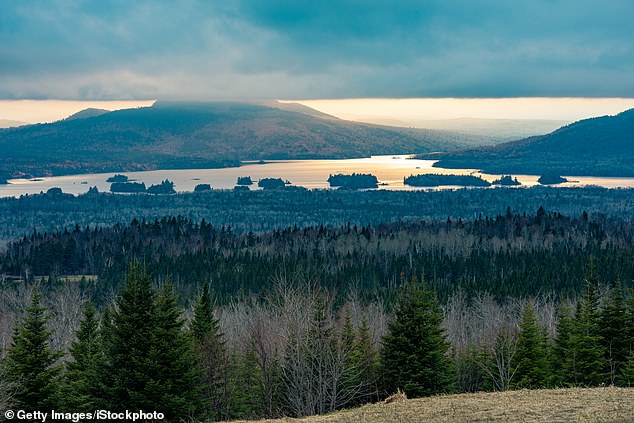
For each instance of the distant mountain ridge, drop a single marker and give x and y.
(601, 146)
(172, 135)
(8, 123)
(87, 113)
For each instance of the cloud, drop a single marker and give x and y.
(115, 49)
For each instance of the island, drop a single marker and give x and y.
(272, 183)
(244, 180)
(436, 180)
(165, 187)
(551, 180)
(54, 191)
(202, 188)
(127, 187)
(507, 181)
(118, 178)
(354, 181)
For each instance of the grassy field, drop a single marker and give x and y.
(548, 405)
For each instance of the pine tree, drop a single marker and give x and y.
(212, 358)
(414, 355)
(351, 369)
(30, 362)
(531, 353)
(130, 342)
(364, 359)
(150, 357)
(613, 330)
(627, 374)
(321, 352)
(589, 352)
(174, 383)
(246, 385)
(563, 354)
(83, 389)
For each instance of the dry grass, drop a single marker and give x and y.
(548, 405)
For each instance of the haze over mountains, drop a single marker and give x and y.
(602, 146)
(199, 135)
(495, 130)
(8, 123)
(171, 135)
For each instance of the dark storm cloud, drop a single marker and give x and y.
(300, 49)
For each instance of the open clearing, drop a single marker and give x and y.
(548, 405)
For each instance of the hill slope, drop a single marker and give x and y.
(87, 113)
(190, 135)
(7, 123)
(602, 146)
(547, 405)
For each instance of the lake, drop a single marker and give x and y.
(390, 170)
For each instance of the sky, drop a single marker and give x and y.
(313, 50)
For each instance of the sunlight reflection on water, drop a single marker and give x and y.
(390, 171)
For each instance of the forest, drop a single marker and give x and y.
(203, 322)
(260, 211)
(296, 302)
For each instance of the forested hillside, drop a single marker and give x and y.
(261, 211)
(508, 255)
(599, 146)
(197, 135)
(296, 350)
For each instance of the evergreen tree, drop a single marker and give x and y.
(563, 354)
(364, 358)
(627, 373)
(150, 358)
(629, 310)
(246, 385)
(83, 388)
(129, 342)
(531, 353)
(613, 331)
(322, 354)
(212, 358)
(31, 364)
(414, 355)
(589, 369)
(351, 368)
(173, 384)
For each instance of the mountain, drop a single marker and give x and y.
(602, 146)
(194, 135)
(7, 123)
(87, 113)
(476, 131)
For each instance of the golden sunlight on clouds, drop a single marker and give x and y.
(411, 110)
(41, 111)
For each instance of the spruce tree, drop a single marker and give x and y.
(531, 353)
(211, 355)
(351, 369)
(246, 385)
(174, 383)
(130, 342)
(627, 373)
(589, 353)
(414, 354)
(563, 354)
(31, 364)
(364, 359)
(613, 332)
(83, 389)
(150, 356)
